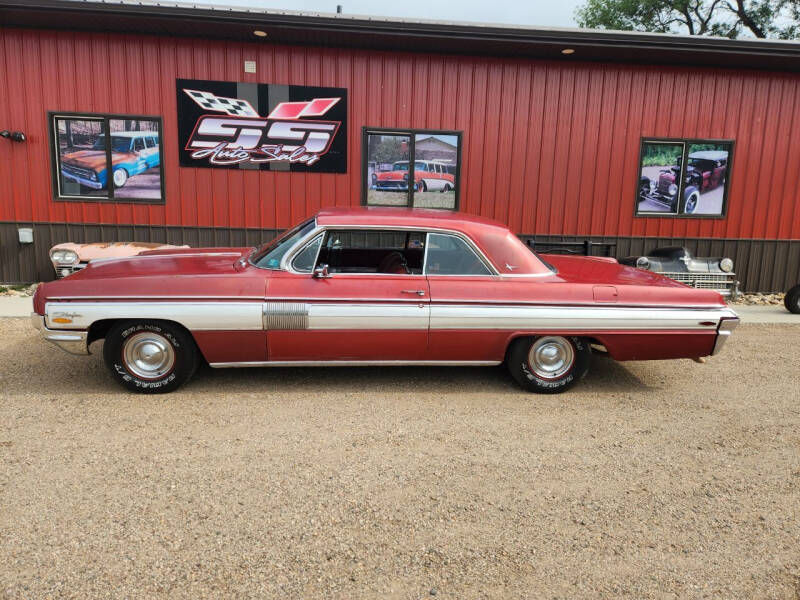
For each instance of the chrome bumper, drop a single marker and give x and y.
(73, 342)
(726, 327)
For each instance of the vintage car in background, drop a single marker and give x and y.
(68, 257)
(704, 172)
(429, 176)
(132, 152)
(676, 262)
(792, 300)
(381, 287)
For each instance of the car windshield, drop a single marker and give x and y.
(270, 254)
(403, 166)
(700, 163)
(118, 144)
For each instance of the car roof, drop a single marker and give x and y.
(495, 239)
(404, 217)
(709, 154)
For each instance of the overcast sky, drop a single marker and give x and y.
(546, 13)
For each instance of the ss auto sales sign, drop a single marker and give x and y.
(223, 124)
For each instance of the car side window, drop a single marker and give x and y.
(138, 145)
(363, 251)
(305, 259)
(451, 255)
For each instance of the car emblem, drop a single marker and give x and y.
(511, 267)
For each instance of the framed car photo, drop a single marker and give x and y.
(683, 177)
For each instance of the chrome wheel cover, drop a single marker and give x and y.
(120, 177)
(148, 355)
(551, 357)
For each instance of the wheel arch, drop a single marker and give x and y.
(591, 339)
(99, 329)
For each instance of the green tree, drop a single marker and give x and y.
(727, 18)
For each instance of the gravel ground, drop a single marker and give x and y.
(649, 480)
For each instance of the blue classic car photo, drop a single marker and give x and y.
(132, 153)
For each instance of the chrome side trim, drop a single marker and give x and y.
(724, 331)
(541, 318)
(195, 316)
(285, 315)
(369, 316)
(360, 363)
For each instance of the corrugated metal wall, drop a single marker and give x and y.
(548, 147)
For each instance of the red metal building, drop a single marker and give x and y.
(554, 144)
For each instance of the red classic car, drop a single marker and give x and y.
(376, 287)
(429, 176)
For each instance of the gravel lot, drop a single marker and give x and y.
(650, 480)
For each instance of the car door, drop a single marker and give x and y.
(350, 295)
(462, 282)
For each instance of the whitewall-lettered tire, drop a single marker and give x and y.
(548, 364)
(150, 357)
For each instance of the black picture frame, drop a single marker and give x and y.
(685, 154)
(106, 119)
(412, 135)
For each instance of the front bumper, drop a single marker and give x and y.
(72, 341)
(95, 185)
(392, 185)
(724, 283)
(65, 270)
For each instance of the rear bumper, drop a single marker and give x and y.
(72, 341)
(724, 330)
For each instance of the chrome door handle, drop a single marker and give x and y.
(417, 292)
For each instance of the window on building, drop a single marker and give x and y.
(687, 178)
(372, 251)
(411, 168)
(103, 157)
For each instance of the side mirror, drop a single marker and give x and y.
(321, 271)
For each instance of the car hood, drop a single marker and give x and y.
(90, 159)
(179, 261)
(190, 272)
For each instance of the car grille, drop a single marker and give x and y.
(67, 270)
(78, 171)
(391, 185)
(724, 283)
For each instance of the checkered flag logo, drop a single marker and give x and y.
(229, 106)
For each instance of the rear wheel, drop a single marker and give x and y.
(150, 357)
(548, 364)
(792, 300)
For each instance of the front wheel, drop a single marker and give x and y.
(151, 357)
(548, 364)
(792, 300)
(120, 178)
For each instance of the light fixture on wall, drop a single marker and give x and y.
(259, 33)
(568, 51)
(17, 136)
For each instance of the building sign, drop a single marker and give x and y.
(224, 124)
